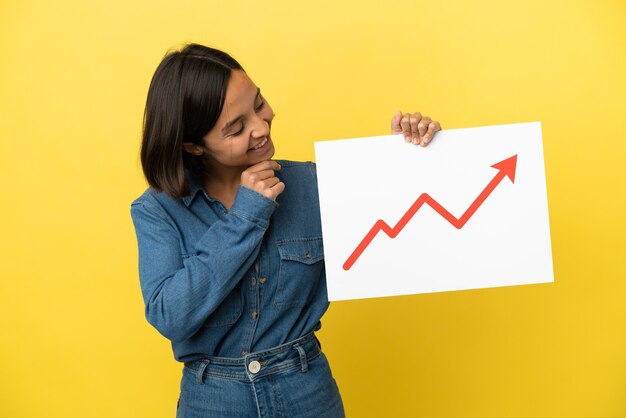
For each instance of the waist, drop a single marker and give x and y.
(252, 366)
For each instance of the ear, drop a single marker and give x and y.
(193, 149)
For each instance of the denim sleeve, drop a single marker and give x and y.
(180, 293)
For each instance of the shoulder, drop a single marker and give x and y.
(296, 164)
(151, 202)
(300, 180)
(302, 169)
(147, 198)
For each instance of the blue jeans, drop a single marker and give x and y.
(290, 380)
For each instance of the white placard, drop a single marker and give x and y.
(459, 222)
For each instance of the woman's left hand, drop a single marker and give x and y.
(416, 128)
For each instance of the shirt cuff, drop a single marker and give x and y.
(253, 206)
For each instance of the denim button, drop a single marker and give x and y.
(254, 314)
(254, 367)
(253, 281)
(262, 280)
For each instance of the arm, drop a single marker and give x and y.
(181, 293)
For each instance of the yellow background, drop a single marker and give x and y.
(73, 82)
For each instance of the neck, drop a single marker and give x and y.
(222, 184)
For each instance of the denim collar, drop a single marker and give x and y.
(195, 188)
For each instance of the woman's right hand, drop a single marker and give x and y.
(262, 179)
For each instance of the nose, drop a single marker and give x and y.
(262, 127)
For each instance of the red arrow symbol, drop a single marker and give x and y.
(505, 168)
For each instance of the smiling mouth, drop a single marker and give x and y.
(259, 145)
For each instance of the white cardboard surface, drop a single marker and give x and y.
(505, 242)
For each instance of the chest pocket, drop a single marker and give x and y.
(300, 272)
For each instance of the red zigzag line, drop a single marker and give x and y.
(505, 167)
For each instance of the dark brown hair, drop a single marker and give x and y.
(185, 99)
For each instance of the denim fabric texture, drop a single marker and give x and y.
(293, 380)
(226, 283)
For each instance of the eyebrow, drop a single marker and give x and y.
(234, 121)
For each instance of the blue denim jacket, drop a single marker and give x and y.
(224, 282)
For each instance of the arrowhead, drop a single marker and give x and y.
(507, 167)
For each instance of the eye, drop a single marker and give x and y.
(238, 132)
(260, 106)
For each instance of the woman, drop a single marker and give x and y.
(230, 244)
